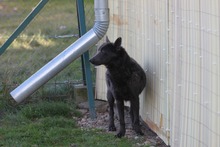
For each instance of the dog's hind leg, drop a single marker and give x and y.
(120, 106)
(111, 101)
(134, 112)
(131, 115)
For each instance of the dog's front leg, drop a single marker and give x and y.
(120, 106)
(111, 102)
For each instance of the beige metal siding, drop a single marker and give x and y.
(177, 43)
(195, 73)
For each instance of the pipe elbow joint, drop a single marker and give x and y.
(101, 21)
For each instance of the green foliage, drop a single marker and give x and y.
(38, 44)
(51, 124)
(46, 109)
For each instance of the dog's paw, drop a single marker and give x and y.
(111, 128)
(139, 133)
(119, 135)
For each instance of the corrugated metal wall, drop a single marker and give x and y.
(194, 73)
(177, 43)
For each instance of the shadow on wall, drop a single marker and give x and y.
(149, 81)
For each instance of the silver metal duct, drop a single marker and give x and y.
(71, 53)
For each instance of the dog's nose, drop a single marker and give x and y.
(94, 61)
(90, 60)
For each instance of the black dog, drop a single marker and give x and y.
(125, 81)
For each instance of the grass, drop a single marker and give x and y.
(51, 124)
(38, 44)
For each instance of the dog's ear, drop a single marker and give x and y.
(117, 42)
(107, 40)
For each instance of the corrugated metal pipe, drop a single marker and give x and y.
(71, 53)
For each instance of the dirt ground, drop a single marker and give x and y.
(101, 122)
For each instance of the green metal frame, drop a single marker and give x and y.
(85, 56)
(23, 25)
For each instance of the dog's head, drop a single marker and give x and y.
(107, 52)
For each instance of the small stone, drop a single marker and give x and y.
(83, 120)
(136, 137)
(146, 142)
(139, 144)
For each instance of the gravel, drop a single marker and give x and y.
(101, 122)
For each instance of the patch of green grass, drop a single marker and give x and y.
(17, 65)
(51, 124)
(37, 44)
(46, 109)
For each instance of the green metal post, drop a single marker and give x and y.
(23, 25)
(82, 28)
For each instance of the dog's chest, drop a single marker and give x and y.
(120, 77)
(118, 84)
